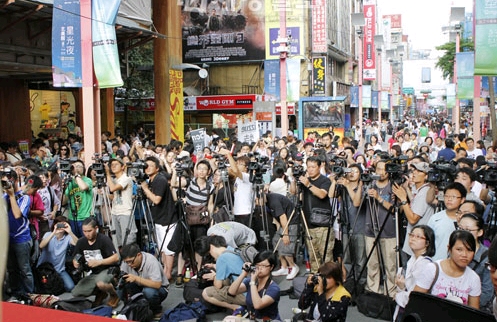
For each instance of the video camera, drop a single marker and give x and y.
(137, 170)
(258, 167)
(397, 169)
(249, 268)
(65, 165)
(222, 162)
(489, 175)
(8, 173)
(182, 164)
(442, 173)
(367, 178)
(98, 167)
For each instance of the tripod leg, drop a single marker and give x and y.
(310, 245)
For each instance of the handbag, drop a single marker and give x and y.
(197, 215)
(320, 217)
(375, 305)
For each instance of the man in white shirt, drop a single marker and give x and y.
(472, 151)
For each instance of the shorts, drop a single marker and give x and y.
(87, 285)
(163, 232)
(286, 250)
(221, 294)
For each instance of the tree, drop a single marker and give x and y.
(446, 62)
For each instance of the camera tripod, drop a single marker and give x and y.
(227, 195)
(259, 203)
(104, 216)
(147, 227)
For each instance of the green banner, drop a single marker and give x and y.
(465, 79)
(485, 37)
(465, 88)
(105, 55)
(451, 96)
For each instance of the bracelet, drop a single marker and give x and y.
(403, 203)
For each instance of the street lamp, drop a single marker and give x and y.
(457, 15)
(358, 22)
(378, 43)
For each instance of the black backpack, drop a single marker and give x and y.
(137, 309)
(47, 280)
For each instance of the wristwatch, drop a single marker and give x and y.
(309, 186)
(403, 203)
(252, 283)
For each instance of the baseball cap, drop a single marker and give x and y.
(421, 166)
(118, 159)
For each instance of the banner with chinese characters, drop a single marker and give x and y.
(247, 130)
(66, 44)
(485, 37)
(451, 96)
(369, 52)
(176, 107)
(198, 138)
(354, 96)
(385, 101)
(272, 79)
(318, 76)
(293, 79)
(366, 96)
(222, 31)
(105, 55)
(319, 30)
(294, 11)
(465, 80)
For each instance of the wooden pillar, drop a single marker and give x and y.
(167, 52)
(107, 109)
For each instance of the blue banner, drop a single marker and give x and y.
(374, 99)
(354, 96)
(272, 79)
(66, 44)
(105, 55)
(366, 96)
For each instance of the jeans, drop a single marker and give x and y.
(76, 227)
(154, 296)
(19, 267)
(68, 282)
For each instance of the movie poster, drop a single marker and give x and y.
(222, 31)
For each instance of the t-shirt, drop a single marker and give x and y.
(473, 154)
(457, 289)
(310, 201)
(80, 202)
(19, 228)
(164, 213)
(352, 219)
(235, 234)
(228, 265)
(55, 251)
(271, 311)
(150, 269)
(102, 248)
(447, 154)
(122, 203)
(280, 205)
(374, 220)
(243, 195)
(443, 226)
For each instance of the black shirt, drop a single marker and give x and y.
(311, 201)
(102, 248)
(163, 213)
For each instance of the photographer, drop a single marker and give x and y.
(142, 273)
(97, 254)
(325, 295)
(79, 195)
(122, 201)
(18, 261)
(163, 210)
(352, 220)
(263, 294)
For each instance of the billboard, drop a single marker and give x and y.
(219, 31)
(318, 75)
(319, 30)
(318, 113)
(485, 37)
(369, 52)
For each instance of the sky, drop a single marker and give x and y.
(422, 20)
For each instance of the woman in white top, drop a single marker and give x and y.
(375, 143)
(456, 281)
(422, 243)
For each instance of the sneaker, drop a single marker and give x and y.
(281, 272)
(294, 271)
(179, 281)
(241, 312)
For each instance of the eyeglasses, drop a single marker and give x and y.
(418, 237)
(467, 229)
(63, 149)
(451, 197)
(259, 266)
(129, 262)
(490, 267)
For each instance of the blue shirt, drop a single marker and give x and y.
(448, 154)
(228, 264)
(271, 311)
(55, 252)
(19, 228)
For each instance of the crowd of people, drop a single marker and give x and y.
(339, 195)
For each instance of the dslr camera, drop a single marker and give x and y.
(202, 283)
(8, 173)
(249, 268)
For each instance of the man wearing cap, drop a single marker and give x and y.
(121, 188)
(419, 210)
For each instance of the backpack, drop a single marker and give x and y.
(101, 310)
(182, 312)
(76, 304)
(47, 280)
(247, 252)
(137, 309)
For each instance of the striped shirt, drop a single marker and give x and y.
(197, 197)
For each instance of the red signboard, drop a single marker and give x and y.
(290, 107)
(369, 53)
(395, 20)
(224, 102)
(319, 30)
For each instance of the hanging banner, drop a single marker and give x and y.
(374, 99)
(319, 30)
(384, 103)
(451, 96)
(293, 79)
(318, 76)
(176, 107)
(66, 44)
(369, 52)
(105, 55)
(272, 79)
(198, 138)
(485, 37)
(366, 96)
(354, 96)
(465, 80)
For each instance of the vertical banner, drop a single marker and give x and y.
(105, 56)
(198, 138)
(176, 99)
(354, 96)
(374, 99)
(366, 96)
(465, 79)
(485, 37)
(384, 101)
(451, 96)
(66, 44)
(369, 52)
(272, 79)
(293, 79)
(318, 75)
(319, 30)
